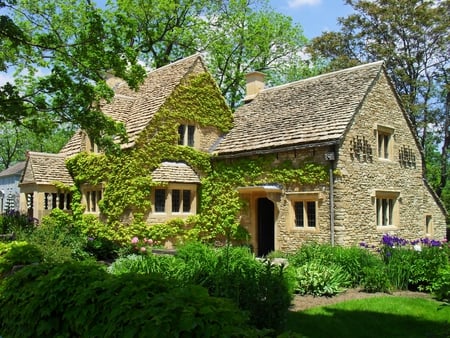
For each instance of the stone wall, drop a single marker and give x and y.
(363, 175)
(359, 175)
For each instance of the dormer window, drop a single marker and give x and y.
(186, 135)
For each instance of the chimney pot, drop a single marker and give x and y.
(255, 83)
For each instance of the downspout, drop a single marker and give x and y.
(331, 204)
(331, 157)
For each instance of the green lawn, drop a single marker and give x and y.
(380, 317)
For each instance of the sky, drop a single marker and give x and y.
(315, 16)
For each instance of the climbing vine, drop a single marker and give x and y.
(220, 201)
(128, 184)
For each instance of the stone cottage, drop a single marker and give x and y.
(344, 134)
(351, 121)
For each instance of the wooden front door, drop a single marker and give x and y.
(266, 226)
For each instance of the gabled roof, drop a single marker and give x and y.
(317, 110)
(43, 168)
(175, 172)
(15, 169)
(136, 108)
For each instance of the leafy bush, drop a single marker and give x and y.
(425, 267)
(18, 253)
(441, 285)
(375, 279)
(58, 239)
(317, 279)
(76, 299)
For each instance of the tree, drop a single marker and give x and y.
(74, 45)
(411, 36)
(246, 36)
(16, 140)
(237, 36)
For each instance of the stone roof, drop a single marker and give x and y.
(44, 168)
(175, 172)
(74, 145)
(15, 169)
(317, 110)
(136, 108)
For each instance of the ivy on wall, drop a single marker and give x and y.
(127, 175)
(220, 201)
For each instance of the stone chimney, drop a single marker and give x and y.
(255, 83)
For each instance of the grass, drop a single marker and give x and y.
(378, 317)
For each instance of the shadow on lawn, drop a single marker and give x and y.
(337, 323)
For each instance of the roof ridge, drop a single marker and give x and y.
(37, 153)
(182, 60)
(323, 75)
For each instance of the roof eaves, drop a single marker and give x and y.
(265, 151)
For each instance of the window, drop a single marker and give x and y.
(428, 225)
(160, 200)
(186, 135)
(175, 201)
(305, 214)
(384, 139)
(187, 201)
(92, 198)
(181, 200)
(54, 200)
(386, 209)
(61, 201)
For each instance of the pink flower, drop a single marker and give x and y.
(134, 240)
(143, 249)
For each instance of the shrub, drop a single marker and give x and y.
(81, 300)
(58, 239)
(425, 267)
(375, 279)
(317, 279)
(441, 285)
(18, 253)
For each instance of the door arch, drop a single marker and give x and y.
(266, 226)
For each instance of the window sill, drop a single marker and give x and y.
(305, 229)
(384, 228)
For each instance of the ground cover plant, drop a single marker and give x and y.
(375, 317)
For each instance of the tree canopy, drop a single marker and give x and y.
(60, 52)
(412, 37)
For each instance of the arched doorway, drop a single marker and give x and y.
(266, 226)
